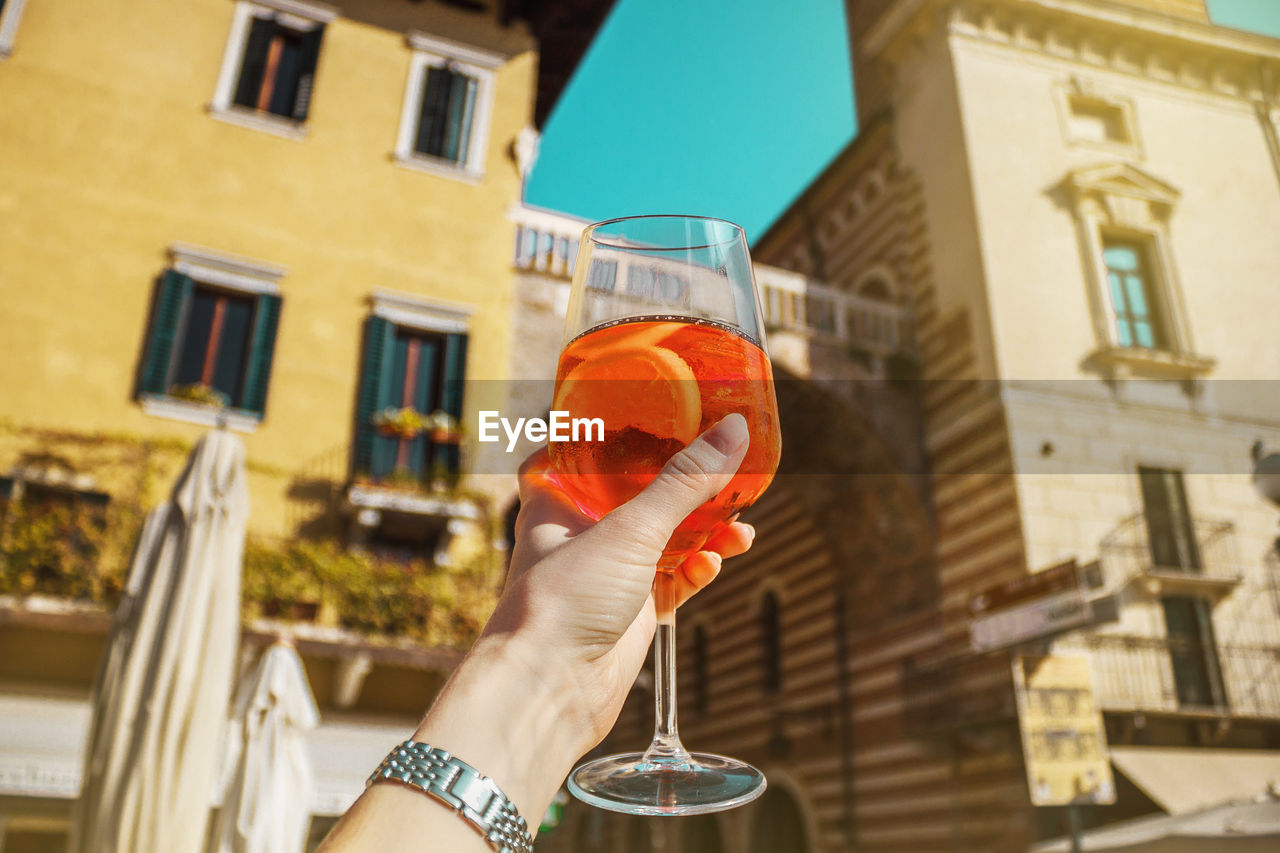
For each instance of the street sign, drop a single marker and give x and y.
(1063, 740)
(1038, 605)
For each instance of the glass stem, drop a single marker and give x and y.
(665, 748)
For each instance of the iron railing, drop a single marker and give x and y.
(1208, 555)
(1137, 674)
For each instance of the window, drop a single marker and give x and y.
(10, 14)
(1095, 119)
(212, 338)
(1130, 286)
(269, 69)
(415, 365)
(1140, 321)
(1170, 529)
(1193, 652)
(444, 123)
(771, 642)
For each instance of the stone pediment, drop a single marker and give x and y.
(1121, 179)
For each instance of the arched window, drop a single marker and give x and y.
(701, 685)
(876, 288)
(701, 834)
(771, 642)
(778, 826)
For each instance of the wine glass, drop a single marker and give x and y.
(663, 339)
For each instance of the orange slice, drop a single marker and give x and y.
(648, 388)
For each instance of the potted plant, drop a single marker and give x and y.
(444, 428)
(405, 423)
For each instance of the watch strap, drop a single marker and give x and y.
(475, 797)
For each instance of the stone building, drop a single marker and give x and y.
(1073, 204)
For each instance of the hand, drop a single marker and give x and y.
(546, 679)
(579, 593)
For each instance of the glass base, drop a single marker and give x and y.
(627, 783)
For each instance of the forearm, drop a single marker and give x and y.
(504, 718)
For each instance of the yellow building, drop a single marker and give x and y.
(292, 220)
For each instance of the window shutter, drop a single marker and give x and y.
(1170, 531)
(306, 82)
(171, 298)
(375, 388)
(453, 375)
(254, 64)
(455, 372)
(435, 110)
(261, 349)
(458, 125)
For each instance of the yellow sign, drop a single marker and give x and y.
(1063, 741)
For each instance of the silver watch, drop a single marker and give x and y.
(461, 787)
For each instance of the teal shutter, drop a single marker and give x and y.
(172, 296)
(375, 391)
(261, 349)
(454, 374)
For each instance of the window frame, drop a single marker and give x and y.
(223, 106)
(428, 52)
(10, 17)
(1122, 202)
(1079, 90)
(405, 312)
(239, 276)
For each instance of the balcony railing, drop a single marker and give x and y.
(795, 303)
(546, 243)
(1207, 561)
(1137, 674)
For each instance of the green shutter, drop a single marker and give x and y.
(375, 388)
(261, 349)
(454, 374)
(174, 290)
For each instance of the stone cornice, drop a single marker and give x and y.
(1156, 46)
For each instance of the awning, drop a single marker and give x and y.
(1248, 827)
(1188, 779)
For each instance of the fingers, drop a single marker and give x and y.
(689, 479)
(731, 540)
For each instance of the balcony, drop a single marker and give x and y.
(546, 243)
(1153, 675)
(866, 327)
(1199, 559)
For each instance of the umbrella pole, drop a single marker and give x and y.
(1073, 822)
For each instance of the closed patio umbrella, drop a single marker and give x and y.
(160, 700)
(266, 807)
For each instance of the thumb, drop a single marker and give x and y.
(690, 478)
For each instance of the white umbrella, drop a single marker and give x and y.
(265, 809)
(161, 697)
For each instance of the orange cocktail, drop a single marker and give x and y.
(657, 383)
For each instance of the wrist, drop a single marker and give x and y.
(503, 711)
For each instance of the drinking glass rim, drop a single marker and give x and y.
(589, 233)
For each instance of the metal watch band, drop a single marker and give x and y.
(461, 787)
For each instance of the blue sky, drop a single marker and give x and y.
(726, 108)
